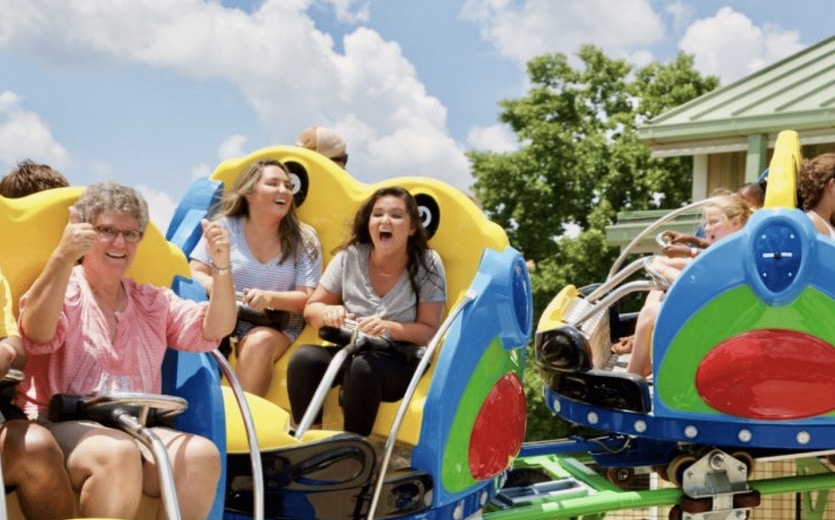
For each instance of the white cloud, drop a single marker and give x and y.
(232, 147)
(494, 138)
(731, 46)
(100, 170)
(160, 206)
(24, 135)
(535, 27)
(287, 69)
(681, 14)
(640, 57)
(200, 171)
(395, 127)
(343, 12)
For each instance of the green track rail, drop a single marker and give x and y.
(601, 496)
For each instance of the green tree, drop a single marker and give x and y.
(578, 164)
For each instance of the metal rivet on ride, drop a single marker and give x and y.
(458, 511)
(640, 426)
(592, 418)
(744, 435)
(691, 431)
(803, 437)
(717, 460)
(556, 405)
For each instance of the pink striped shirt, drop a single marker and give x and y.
(81, 359)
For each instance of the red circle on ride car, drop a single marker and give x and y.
(769, 374)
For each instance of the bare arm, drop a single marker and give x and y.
(419, 332)
(12, 354)
(325, 308)
(292, 301)
(670, 268)
(675, 237)
(819, 222)
(222, 314)
(202, 273)
(39, 319)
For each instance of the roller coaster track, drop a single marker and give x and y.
(577, 491)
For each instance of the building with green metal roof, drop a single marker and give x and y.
(730, 132)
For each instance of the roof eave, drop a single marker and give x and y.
(735, 127)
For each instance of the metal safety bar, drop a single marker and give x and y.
(252, 437)
(613, 281)
(146, 436)
(617, 294)
(468, 298)
(648, 230)
(325, 384)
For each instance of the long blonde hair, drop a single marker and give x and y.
(731, 205)
(293, 234)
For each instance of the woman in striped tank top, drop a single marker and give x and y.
(276, 261)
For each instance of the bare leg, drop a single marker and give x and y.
(640, 362)
(33, 462)
(257, 352)
(196, 463)
(105, 468)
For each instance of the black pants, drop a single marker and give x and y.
(367, 378)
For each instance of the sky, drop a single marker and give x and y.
(155, 93)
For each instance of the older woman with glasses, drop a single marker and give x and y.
(88, 328)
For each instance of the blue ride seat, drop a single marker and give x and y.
(184, 229)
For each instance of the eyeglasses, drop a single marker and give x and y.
(341, 159)
(109, 233)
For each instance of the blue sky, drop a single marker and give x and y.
(155, 93)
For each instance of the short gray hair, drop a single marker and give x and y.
(111, 196)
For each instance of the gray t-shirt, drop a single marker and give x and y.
(347, 276)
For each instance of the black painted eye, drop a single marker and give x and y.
(300, 180)
(430, 213)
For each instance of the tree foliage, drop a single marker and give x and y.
(579, 163)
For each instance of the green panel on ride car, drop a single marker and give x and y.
(494, 364)
(733, 312)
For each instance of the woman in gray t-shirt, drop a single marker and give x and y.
(387, 279)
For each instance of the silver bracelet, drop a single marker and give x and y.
(222, 271)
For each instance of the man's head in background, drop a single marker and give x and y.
(29, 177)
(325, 141)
